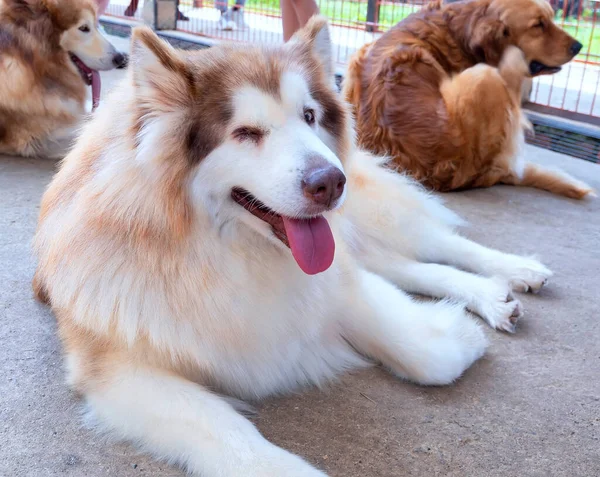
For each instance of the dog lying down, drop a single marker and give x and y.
(51, 51)
(215, 231)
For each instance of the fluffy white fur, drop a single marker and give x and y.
(232, 310)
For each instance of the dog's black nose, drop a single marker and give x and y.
(120, 60)
(576, 48)
(324, 184)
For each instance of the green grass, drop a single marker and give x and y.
(588, 36)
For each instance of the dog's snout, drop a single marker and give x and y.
(120, 60)
(324, 185)
(576, 48)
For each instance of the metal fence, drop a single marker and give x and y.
(573, 92)
(576, 88)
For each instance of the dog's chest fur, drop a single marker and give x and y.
(240, 316)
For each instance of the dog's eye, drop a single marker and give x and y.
(539, 24)
(309, 116)
(84, 28)
(249, 133)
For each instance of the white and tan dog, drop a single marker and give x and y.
(215, 230)
(50, 51)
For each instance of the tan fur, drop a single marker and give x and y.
(159, 234)
(166, 291)
(436, 94)
(42, 95)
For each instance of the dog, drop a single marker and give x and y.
(51, 51)
(441, 92)
(216, 232)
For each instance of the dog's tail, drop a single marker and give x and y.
(351, 87)
(551, 180)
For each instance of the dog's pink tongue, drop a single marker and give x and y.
(95, 89)
(311, 242)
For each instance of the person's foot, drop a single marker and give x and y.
(181, 16)
(233, 19)
(238, 18)
(224, 24)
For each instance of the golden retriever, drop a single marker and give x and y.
(441, 91)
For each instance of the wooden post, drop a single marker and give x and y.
(161, 14)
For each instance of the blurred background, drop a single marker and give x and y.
(570, 95)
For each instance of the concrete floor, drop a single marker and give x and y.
(530, 408)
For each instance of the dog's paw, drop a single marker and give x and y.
(451, 341)
(525, 274)
(497, 306)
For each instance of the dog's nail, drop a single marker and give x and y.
(537, 290)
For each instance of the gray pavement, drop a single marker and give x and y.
(530, 408)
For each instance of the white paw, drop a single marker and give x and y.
(496, 304)
(451, 341)
(524, 274)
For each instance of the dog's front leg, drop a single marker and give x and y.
(429, 343)
(402, 234)
(523, 273)
(179, 421)
(490, 298)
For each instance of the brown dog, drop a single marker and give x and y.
(441, 91)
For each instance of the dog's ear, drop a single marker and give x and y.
(489, 37)
(316, 35)
(49, 5)
(161, 76)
